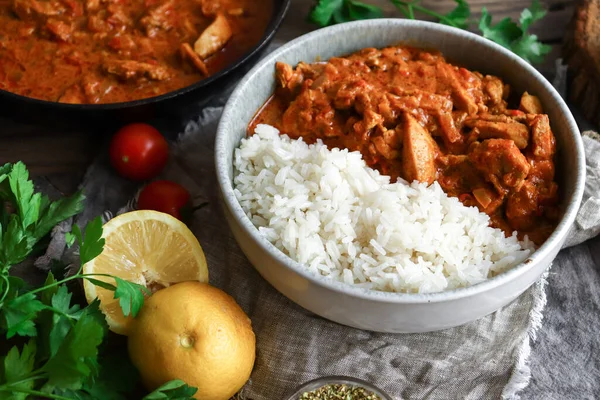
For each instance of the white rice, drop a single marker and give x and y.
(343, 220)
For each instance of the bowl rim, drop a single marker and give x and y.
(555, 239)
(277, 18)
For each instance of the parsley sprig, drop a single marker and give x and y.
(508, 33)
(63, 357)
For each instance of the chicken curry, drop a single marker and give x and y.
(107, 51)
(415, 116)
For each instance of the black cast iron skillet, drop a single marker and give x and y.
(176, 107)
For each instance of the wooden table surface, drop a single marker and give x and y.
(59, 157)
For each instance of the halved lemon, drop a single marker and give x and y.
(150, 248)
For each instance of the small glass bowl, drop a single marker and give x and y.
(332, 380)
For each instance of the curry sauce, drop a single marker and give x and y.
(415, 116)
(107, 51)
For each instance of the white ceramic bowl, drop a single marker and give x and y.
(380, 311)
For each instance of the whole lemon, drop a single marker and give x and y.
(197, 333)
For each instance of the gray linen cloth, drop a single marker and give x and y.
(485, 359)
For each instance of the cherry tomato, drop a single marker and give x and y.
(165, 196)
(139, 152)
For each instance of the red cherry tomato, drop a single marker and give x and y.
(139, 152)
(165, 196)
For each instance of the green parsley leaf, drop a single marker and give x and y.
(322, 13)
(18, 315)
(4, 171)
(355, 10)
(131, 296)
(27, 203)
(74, 360)
(459, 16)
(34, 214)
(327, 12)
(51, 213)
(15, 367)
(93, 244)
(530, 48)
(63, 318)
(515, 38)
(503, 33)
(48, 292)
(57, 319)
(61, 301)
(531, 15)
(75, 394)
(172, 390)
(93, 311)
(102, 284)
(45, 320)
(14, 244)
(16, 287)
(117, 378)
(69, 239)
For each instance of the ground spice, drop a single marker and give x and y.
(339, 392)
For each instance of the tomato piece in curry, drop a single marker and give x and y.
(107, 51)
(415, 116)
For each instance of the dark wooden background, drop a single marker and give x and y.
(59, 157)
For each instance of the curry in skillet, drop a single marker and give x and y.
(414, 115)
(107, 51)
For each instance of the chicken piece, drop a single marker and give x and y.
(287, 77)
(494, 88)
(129, 69)
(459, 177)
(488, 200)
(60, 29)
(97, 24)
(448, 128)
(384, 148)
(410, 99)
(73, 95)
(74, 7)
(469, 121)
(311, 114)
(393, 137)
(370, 120)
(384, 108)
(188, 53)
(347, 92)
(542, 170)
(522, 207)
(95, 87)
(418, 152)
(433, 102)
(501, 163)
(26, 9)
(514, 131)
(373, 59)
(542, 138)
(214, 38)
(188, 29)
(122, 43)
(210, 8)
(530, 104)
(161, 17)
(462, 99)
(92, 5)
(118, 16)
